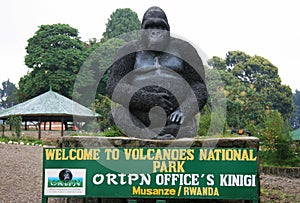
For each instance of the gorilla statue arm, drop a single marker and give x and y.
(121, 66)
(194, 74)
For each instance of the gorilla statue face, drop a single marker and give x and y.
(156, 30)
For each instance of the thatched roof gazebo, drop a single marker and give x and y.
(49, 107)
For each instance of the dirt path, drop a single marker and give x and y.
(21, 178)
(279, 189)
(20, 173)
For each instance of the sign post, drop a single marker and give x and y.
(160, 173)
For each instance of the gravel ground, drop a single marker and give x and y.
(21, 178)
(279, 189)
(20, 173)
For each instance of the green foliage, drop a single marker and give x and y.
(112, 131)
(204, 121)
(103, 107)
(211, 123)
(212, 116)
(15, 122)
(295, 117)
(121, 21)
(217, 63)
(257, 101)
(8, 94)
(251, 85)
(235, 57)
(84, 134)
(55, 54)
(261, 74)
(26, 140)
(244, 105)
(106, 53)
(258, 71)
(275, 143)
(95, 71)
(279, 98)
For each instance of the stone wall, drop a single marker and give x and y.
(293, 172)
(93, 141)
(45, 134)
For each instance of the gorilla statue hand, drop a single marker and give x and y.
(177, 117)
(162, 100)
(144, 99)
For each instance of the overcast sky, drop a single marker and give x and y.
(268, 28)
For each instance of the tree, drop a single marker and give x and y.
(217, 63)
(295, 118)
(120, 22)
(54, 55)
(245, 105)
(260, 73)
(8, 94)
(275, 143)
(235, 57)
(91, 80)
(279, 98)
(15, 122)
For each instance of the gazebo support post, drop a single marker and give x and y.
(3, 128)
(62, 126)
(40, 132)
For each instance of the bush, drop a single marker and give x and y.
(113, 131)
(15, 122)
(275, 143)
(103, 107)
(211, 123)
(25, 140)
(204, 121)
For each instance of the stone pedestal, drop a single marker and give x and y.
(94, 142)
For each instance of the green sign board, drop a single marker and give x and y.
(197, 173)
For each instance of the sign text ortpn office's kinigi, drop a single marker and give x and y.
(197, 173)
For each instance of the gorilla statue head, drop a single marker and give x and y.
(156, 29)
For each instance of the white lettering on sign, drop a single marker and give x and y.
(122, 179)
(237, 180)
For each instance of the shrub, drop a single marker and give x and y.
(276, 146)
(15, 122)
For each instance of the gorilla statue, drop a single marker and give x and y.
(159, 82)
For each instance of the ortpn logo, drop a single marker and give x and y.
(65, 181)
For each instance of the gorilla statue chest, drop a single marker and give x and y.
(151, 65)
(158, 72)
(148, 59)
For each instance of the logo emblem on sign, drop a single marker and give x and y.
(65, 181)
